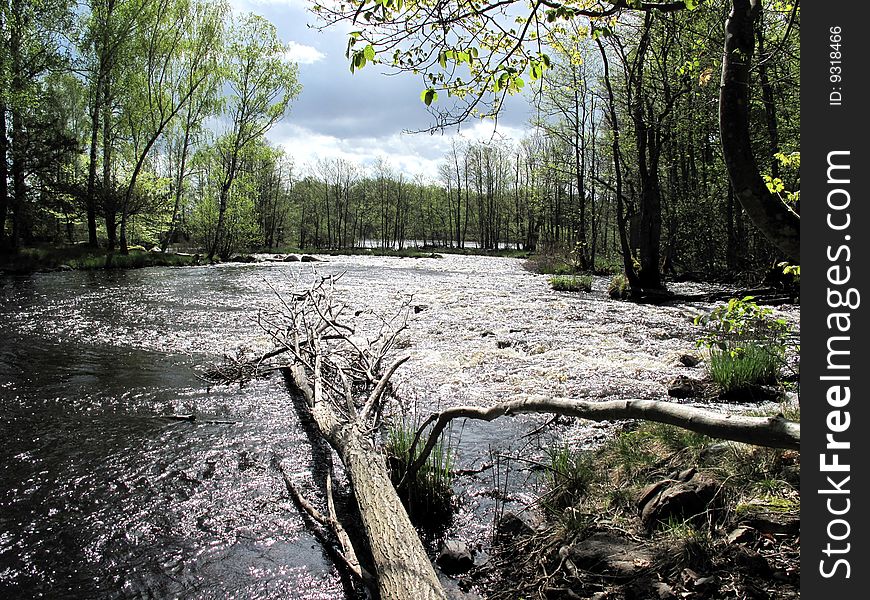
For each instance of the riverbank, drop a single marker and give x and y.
(84, 258)
(654, 512)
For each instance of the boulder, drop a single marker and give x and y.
(511, 525)
(689, 360)
(676, 499)
(309, 258)
(455, 557)
(606, 553)
(291, 258)
(684, 387)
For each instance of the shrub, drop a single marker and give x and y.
(747, 344)
(571, 283)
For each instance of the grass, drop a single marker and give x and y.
(587, 484)
(618, 289)
(571, 283)
(568, 478)
(745, 366)
(428, 497)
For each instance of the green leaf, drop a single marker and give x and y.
(369, 52)
(428, 96)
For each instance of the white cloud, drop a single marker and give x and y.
(411, 154)
(303, 54)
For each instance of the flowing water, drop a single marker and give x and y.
(101, 496)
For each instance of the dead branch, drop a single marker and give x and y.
(775, 432)
(344, 385)
(347, 556)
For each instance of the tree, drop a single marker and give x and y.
(262, 85)
(175, 56)
(108, 27)
(31, 43)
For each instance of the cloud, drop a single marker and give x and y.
(360, 117)
(303, 54)
(412, 154)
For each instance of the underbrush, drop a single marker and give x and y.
(571, 283)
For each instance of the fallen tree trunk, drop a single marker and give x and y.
(403, 568)
(775, 432)
(344, 383)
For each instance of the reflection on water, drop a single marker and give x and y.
(101, 497)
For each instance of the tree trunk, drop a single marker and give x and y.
(777, 222)
(4, 174)
(403, 568)
(91, 194)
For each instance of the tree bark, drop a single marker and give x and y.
(4, 174)
(779, 223)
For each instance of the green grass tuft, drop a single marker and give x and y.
(742, 367)
(429, 496)
(571, 283)
(618, 289)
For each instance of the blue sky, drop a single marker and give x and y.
(359, 116)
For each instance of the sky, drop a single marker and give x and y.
(359, 116)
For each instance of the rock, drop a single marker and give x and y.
(741, 535)
(711, 454)
(418, 308)
(681, 499)
(650, 492)
(291, 258)
(512, 525)
(686, 474)
(753, 393)
(684, 387)
(242, 258)
(689, 360)
(455, 558)
(502, 344)
(64, 268)
(663, 590)
(309, 258)
(606, 553)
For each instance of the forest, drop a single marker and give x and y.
(282, 429)
(145, 123)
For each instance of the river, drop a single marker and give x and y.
(102, 497)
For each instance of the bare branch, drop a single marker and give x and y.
(775, 432)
